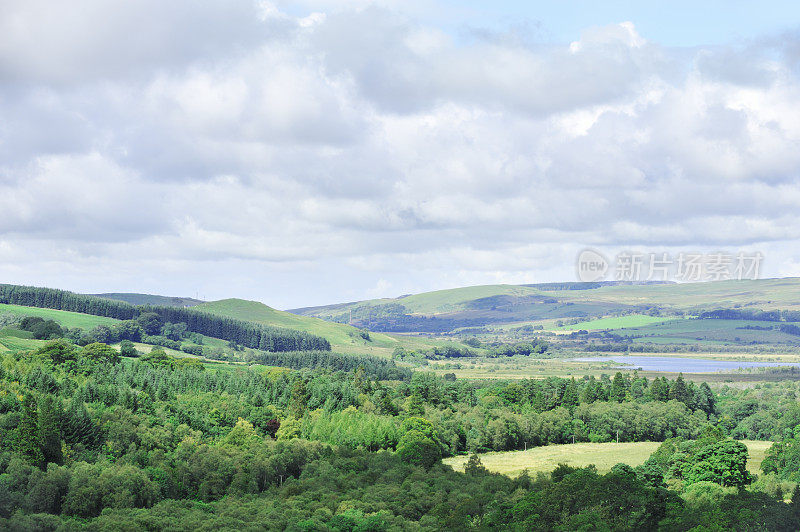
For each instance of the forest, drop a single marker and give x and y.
(99, 431)
(95, 438)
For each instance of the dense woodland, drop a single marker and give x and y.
(91, 439)
(102, 438)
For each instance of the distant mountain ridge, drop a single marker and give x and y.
(150, 299)
(578, 285)
(443, 311)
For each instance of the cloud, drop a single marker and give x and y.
(69, 43)
(235, 146)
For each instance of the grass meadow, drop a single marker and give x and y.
(602, 455)
(620, 322)
(63, 318)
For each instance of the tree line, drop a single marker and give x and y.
(750, 314)
(376, 368)
(546, 394)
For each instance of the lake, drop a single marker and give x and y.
(685, 365)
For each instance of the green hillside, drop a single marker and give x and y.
(63, 318)
(494, 305)
(763, 293)
(343, 338)
(429, 303)
(457, 299)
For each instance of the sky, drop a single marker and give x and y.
(314, 152)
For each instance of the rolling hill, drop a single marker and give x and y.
(476, 306)
(343, 338)
(247, 323)
(62, 317)
(496, 311)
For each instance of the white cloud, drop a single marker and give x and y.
(236, 147)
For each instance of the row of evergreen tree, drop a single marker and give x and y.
(377, 368)
(553, 392)
(753, 314)
(240, 332)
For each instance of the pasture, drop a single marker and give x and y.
(519, 367)
(619, 322)
(602, 455)
(63, 318)
(15, 344)
(694, 331)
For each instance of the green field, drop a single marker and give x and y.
(620, 322)
(15, 341)
(514, 368)
(603, 455)
(14, 344)
(690, 331)
(63, 318)
(15, 333)
(144, 349)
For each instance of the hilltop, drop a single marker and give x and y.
(150, 299)
(476, 306)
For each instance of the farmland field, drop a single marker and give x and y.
(15, 344)
(603, 455)
(15, 333)
(63, 318)
(621, 322)
(535, 368)
(719, 331)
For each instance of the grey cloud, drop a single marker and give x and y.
(742, 66)
(62, 42)
(82, 198)
(377, 50)
(263, 142)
